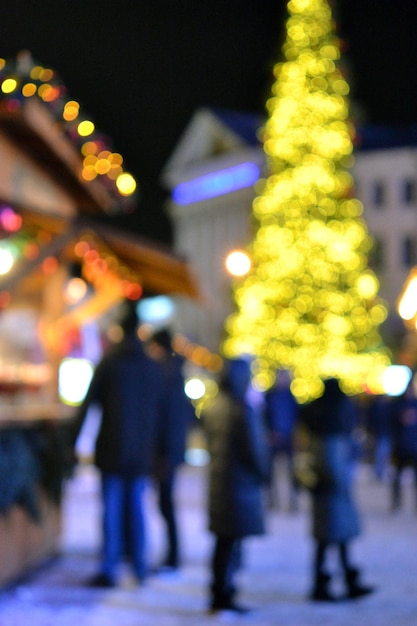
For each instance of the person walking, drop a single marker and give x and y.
(335, 518)
(128, 387)
(238, 470)
(177, 420)
(404, 441)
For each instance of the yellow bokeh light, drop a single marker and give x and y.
(85, 128)
(102, 166)
(29, 90)
(114, 172)
(9, 85)
(115, 159)
(48, 93)
(46, 75)
(407, 306)
(71, 111)
(309, 304)
(89, 147)
(126, 184)
(35, 72)
(367, 285)
(90, 161)
(89, 173)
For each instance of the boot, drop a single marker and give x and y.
(224, 601)
(354, 587)
(321, 592)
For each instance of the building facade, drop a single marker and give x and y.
(208, 224)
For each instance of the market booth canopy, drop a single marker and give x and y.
(61, 178)
(61, 186)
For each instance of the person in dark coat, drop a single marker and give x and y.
(404, 441)
(380, 427)
(335, 519)
(171, 443)
(128, 387)
(239, 468)
(282, 414)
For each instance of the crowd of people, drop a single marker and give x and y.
(145, 418)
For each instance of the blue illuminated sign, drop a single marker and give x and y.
(217, 183)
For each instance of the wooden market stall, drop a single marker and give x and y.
(59, 200)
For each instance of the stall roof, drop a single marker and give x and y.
(42, 178)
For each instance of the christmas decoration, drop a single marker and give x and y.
(310, 302)
(22, 79)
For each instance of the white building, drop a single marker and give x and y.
(211, 176)
(212, 179)
(386, 181)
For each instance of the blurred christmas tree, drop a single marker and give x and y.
(310, 302)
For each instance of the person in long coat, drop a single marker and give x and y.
(335, 517)
(239, 468)
(128, 387)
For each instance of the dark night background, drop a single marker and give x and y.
(140, 68)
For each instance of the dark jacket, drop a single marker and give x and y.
(405, 428)
(239, 466)
(281, 414)
(380, 417)
(335, 515)
(330, 421)
(129, 388)
(177, 419)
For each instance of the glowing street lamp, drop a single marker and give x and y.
(238, 263)
(407, 304)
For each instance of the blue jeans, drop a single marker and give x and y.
(123, 509)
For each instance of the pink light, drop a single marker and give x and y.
(9, 220)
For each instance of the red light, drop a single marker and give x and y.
(50, 265)
(133, 291)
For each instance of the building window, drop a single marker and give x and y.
(409, 251)
(379, 193)
(409, 191)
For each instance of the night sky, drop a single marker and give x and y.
(140, 68)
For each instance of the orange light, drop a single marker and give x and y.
(5, 299)
(133, 291)
(50, 265)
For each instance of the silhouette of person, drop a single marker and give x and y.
(239, 467)
(282, 414)
(128, 387)
(404, 441)
(335, 518)
(171, 442)
(380, 427)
